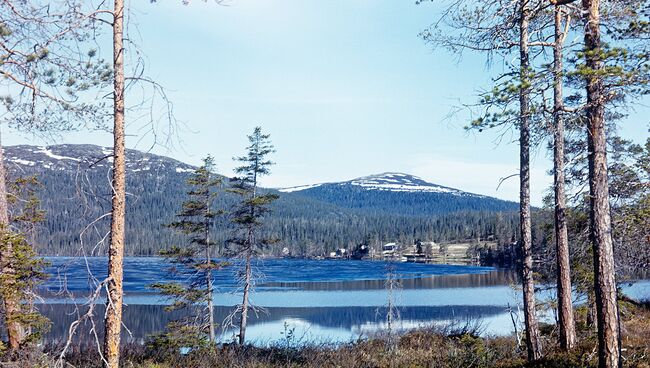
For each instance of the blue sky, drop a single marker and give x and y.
(344, 87)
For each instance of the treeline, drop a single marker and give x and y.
(409, 203)
(629, 175)
(305, 226)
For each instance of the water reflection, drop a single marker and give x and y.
(79, 274)
(342, 323)
(332, 301)
(493, 278)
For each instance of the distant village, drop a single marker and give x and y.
(420, 252)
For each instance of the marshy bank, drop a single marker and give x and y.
(453, 346)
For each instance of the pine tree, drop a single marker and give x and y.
(249, 213)
(27, 269)
(563, 262)
(195, 261)
(503, 27)
(611, 75)
(533, 342)
(44, 73)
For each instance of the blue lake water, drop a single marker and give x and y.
(321, 300)
(77, 273)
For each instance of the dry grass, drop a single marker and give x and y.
(421, 348)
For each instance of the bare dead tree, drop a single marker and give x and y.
(152, 96)
(113, 320)
(88, 316)
(392, 285)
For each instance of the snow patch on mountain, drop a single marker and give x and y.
(73, 157)
(299, 188)
(51, 154)
(388, 181)
(23, 162)
(399, 182)
(404, 187)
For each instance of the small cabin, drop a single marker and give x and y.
(389, 249)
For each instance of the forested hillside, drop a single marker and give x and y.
(75, 194)
(400, 193)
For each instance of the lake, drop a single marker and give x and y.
(319, 300)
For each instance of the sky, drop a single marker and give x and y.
(345, 88)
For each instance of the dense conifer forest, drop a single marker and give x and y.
(308, 223)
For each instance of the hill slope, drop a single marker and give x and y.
(400, 193)
(76, 191)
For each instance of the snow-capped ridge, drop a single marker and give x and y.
(399, 182)
(387, 181)
(299, 188)
(73, 157)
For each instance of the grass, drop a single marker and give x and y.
(460, 347)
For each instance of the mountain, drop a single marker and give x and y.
(400, 194)
(74, 157)
(389, 181)
(76, 195)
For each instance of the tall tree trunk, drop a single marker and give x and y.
(565, 305)
(113, 322)
(15, 331)
(247, 285)
(208, 276)
(210, 308)
(533, 343)
(609, 349)
(249, 255)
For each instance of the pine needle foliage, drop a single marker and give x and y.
(193, 263)
(249, 213)
(27, 268)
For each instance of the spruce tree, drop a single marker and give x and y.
(249, 213)
(193, 263)
(27, 269)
